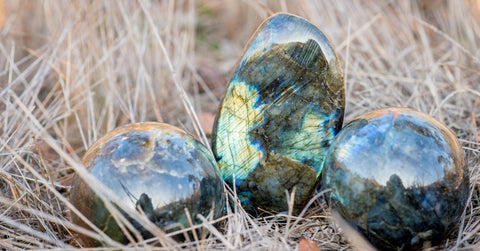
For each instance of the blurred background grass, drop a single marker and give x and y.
(70, 71)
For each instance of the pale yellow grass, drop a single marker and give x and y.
(72, 70)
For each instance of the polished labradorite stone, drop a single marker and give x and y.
(283, 106)
(154, 167)
(399, 177)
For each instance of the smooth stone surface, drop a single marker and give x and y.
(283, 106)
(399, 177)
(154, 167)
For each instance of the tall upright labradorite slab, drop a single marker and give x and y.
(282, 108)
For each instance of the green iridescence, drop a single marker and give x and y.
(283, 107)
(242, 115)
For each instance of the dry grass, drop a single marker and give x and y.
(72, 70)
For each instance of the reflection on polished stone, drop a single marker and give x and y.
(156, 169)
(399, 177)
(283, 105)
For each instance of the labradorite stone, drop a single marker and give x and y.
(283, 106)
(399, 177)
(156, 169)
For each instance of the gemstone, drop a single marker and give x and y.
(399, 177)
(283, 106)
(154, 167)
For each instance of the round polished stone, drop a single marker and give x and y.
(283, 106)
(399, 177)
(156, 169)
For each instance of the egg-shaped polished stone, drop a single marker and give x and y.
(155, 167)
(283, 106)
(399, 177)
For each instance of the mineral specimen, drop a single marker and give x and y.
(283, 106)
(399, 177)
(156, 169)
